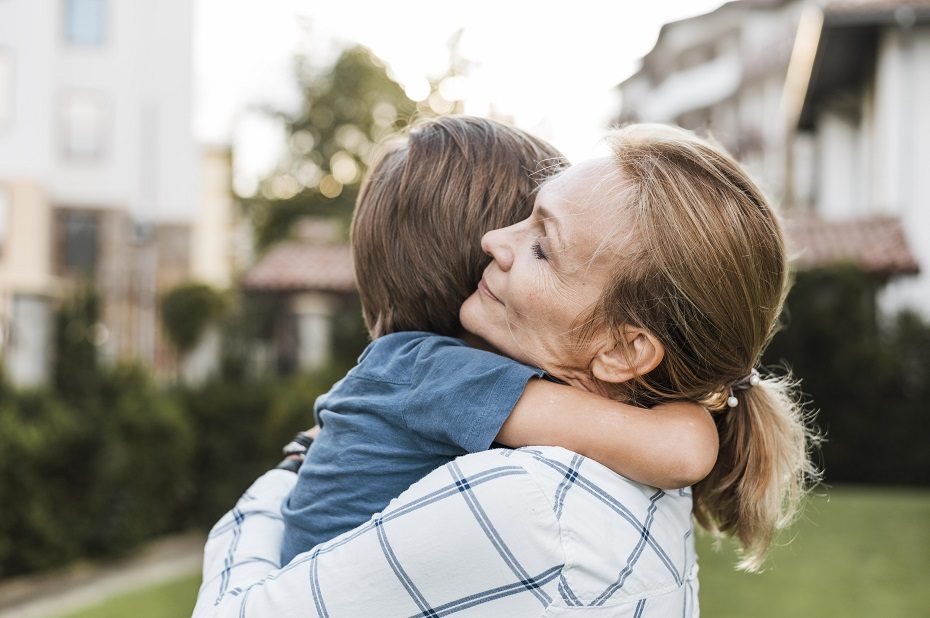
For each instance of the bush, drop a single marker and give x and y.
(187, 310)
(44, 449)
(106, 459)
(239, 428)
(869, 381)
(89, 477)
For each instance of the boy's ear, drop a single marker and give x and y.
(636, 353)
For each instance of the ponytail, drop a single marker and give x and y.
(763, 469)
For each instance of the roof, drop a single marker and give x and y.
(846, 43)
(296, 266)
(875, 244)
(695, 21)
(879, 11)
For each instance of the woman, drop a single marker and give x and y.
(656, 274)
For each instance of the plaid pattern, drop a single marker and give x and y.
(532, 532)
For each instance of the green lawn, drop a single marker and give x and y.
(860, 552)
(169, 600)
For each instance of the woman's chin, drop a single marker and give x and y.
(469, 314)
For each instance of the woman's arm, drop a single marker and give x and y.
(672, 445)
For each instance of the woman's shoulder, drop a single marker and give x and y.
(609, 525)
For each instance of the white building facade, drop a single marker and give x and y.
(96, 151)
(824, 102)
(865, 111)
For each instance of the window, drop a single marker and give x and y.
(77, 233)
(83, 126)
(6, 87)
(85, 22)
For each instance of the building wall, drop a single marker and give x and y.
(903, 159)
(26, 283)
(123, 95)
(872, 150)
(869, 151)
(837, 142)
(221, 237)
(26, 252)
(723, 73)
(140, 75)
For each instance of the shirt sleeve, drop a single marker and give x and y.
(460, 396)
(476, 533)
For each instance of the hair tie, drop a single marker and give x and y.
(743, 384)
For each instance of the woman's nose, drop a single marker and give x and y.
(495, 243)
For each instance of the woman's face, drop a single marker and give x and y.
(548, 270)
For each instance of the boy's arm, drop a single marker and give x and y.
(670, 446)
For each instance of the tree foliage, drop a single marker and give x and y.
(346, 110)
(77, 328)
(187, 310)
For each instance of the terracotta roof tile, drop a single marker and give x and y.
(876, 244)
(295, 266)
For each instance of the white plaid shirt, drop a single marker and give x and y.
(531, 532)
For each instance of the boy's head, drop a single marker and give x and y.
(416, 232)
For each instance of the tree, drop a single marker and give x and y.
(186, 311)
(75, 367)
(346, 110)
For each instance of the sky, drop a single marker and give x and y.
(551, 67)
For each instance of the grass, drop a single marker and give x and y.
(174, 599)
(860, 552)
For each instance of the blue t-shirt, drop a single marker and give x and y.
(414, 402)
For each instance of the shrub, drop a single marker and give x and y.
(90, 477)
(239, 428)
(187, 310)
(868, 379)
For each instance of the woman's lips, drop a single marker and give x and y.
(483, 287)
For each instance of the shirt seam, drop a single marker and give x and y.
(529, 373)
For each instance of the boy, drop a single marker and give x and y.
(420, 397)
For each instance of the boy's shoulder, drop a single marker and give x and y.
(398, 357)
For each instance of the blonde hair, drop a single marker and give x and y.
(421, 212)
(707, 275)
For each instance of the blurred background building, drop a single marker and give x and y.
(822, 101)
(101, 181)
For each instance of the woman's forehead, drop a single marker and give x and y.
(581, 187)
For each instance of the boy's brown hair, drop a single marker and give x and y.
(417, 227)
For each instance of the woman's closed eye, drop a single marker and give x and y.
(538, 251)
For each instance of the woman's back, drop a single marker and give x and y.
(531, 532)
(629, 548)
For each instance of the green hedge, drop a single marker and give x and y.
(239, 428)
(868, 376)
(96, 476)
(92, 476)
(105, 458)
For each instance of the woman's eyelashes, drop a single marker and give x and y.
(538, 251)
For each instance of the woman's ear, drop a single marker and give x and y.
(637, 353)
